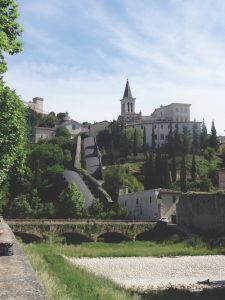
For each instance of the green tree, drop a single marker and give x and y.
(203, 136)
(173, 169)
(195, 140)
(13, 131)
(149, 173)
(183, 176)
(153, 139)
(10, 31)
(144, 142)
(213, 142)
(62, 131)
(20, 207)
(177, 141)
(193, 168)
(96, 209)
(135, 143)
(166, 179)
(186, 141)
(72, 203)
(170, 141)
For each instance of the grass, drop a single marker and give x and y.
(63, 281)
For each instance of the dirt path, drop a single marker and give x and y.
(158, 273)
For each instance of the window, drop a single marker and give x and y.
(177, 119)
(137, 202)
(185, 119)
(155, 136)
(125, 203)
(162, 137)
(174, 198)
(73, 126)
(150, 199)
(181, 119)
(161, 126)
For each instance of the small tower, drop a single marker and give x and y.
(127, 102)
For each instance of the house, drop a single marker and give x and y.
(98, 126)
(43, 133)
(158, 124)
(73, 126)
(150, 204)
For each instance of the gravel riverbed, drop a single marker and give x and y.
(153, 273)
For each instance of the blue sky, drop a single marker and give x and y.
(78, 54)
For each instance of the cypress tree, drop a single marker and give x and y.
(149, 173)
(193, 168)
(183, 176)
(144, 143)
(153, 139)
(135, 143)
(213, 138)
(195, 140)
(173, 169)
(158, 169)
(177, 141)
(166, 173)
(203, 136)
(170, 140)
(186, 141)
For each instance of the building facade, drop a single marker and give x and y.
(36, 104)
(150, 204)
(172, 115)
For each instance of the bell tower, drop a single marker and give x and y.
(127, 102)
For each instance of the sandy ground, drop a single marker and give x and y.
(158, 273)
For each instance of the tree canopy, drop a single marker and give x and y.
(10, 31)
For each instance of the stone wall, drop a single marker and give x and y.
(202, 211)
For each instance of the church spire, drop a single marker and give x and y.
(127, 91)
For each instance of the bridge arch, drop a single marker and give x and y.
(112, 237)
(27, 237)
(74, 238)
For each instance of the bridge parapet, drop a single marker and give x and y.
(92, 229)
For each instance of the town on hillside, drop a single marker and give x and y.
(135, 168)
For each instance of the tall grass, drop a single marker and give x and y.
(63, 281)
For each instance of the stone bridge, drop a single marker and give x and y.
(90, 229)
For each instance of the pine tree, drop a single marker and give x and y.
(193, 168)
(195, 140)
(213, 138)
(135, 143)
(144, 143)
(203, 136)
(183, 176)
(173, 169)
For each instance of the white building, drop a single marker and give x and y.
(174, 114)
(43, 133)
(73, 127)
(150, 204)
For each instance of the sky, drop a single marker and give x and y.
(78, 54)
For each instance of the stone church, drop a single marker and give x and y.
(174, 114)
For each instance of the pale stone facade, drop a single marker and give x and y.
(43, 133)
(175, 114)
(150, 204)
(96, 127)
(221, 173)
(73, 127)
(36, 104)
